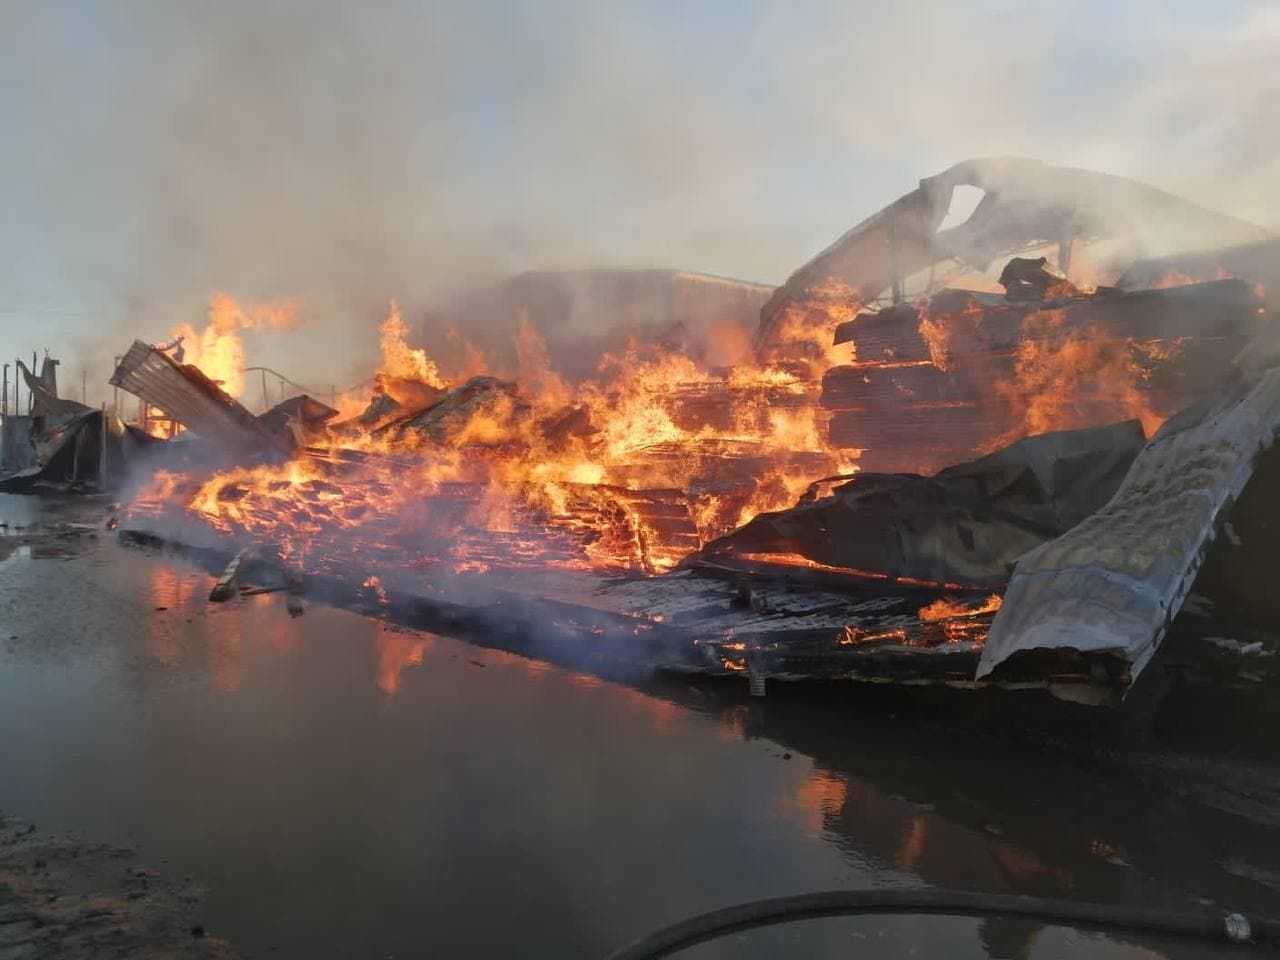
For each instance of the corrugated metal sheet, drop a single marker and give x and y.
(188, 396)
(1111, 585)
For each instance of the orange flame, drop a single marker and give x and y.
(218, 350)
(947, 608)
(631, 470)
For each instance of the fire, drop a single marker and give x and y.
(401, 361)
(803, 335)
(851, 636)
(217, 349)
(1060, 379)
(948, 608)
(632, 469)
(471, 469)
(937, 337)
(1174, 277)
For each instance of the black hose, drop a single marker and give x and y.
(1214, 925)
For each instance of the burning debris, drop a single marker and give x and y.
(966, 525)
(1104, 593)
(1005, 416)
(188, 395)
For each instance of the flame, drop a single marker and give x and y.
(401, 361)
(1068, 378)
(803, 331)
(937, 337)
(946, 608)
(468, 469)
(632, 469)
(852, 636)
(1174, 277)
(218, 349)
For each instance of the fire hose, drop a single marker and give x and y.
(1209, 925)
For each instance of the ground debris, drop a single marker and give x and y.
(71, 899)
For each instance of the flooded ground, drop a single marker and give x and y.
(347, 787)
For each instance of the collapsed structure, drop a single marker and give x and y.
(937, 432)
(64, 445)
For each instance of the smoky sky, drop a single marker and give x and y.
(345, 154)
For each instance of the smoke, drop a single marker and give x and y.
(344, 155)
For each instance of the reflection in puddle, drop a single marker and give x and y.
(397, 651)
(224, 660)
(733, 723)
(914, 838)
(169, 588)
(171, 593)
(817, 799)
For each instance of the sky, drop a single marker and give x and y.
(345, 154)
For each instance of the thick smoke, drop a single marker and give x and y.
(347, 154)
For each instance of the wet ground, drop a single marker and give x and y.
(345, 787)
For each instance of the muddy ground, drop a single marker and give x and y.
(61, 896)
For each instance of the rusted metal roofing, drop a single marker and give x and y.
(187, 395)
(1107, 590)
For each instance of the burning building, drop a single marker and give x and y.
(922, 412)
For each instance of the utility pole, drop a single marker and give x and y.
(84, 386)
(4, 396)
(102, 450)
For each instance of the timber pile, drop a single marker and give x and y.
(989, 362)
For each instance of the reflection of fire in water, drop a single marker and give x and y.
(397, 651)
(168, 589)
(224, 659)
(819, 796)
(914, 837)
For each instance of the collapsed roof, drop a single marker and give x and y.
(1106, 591)
(965, 525)
(1026, 204)
(191, 398)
